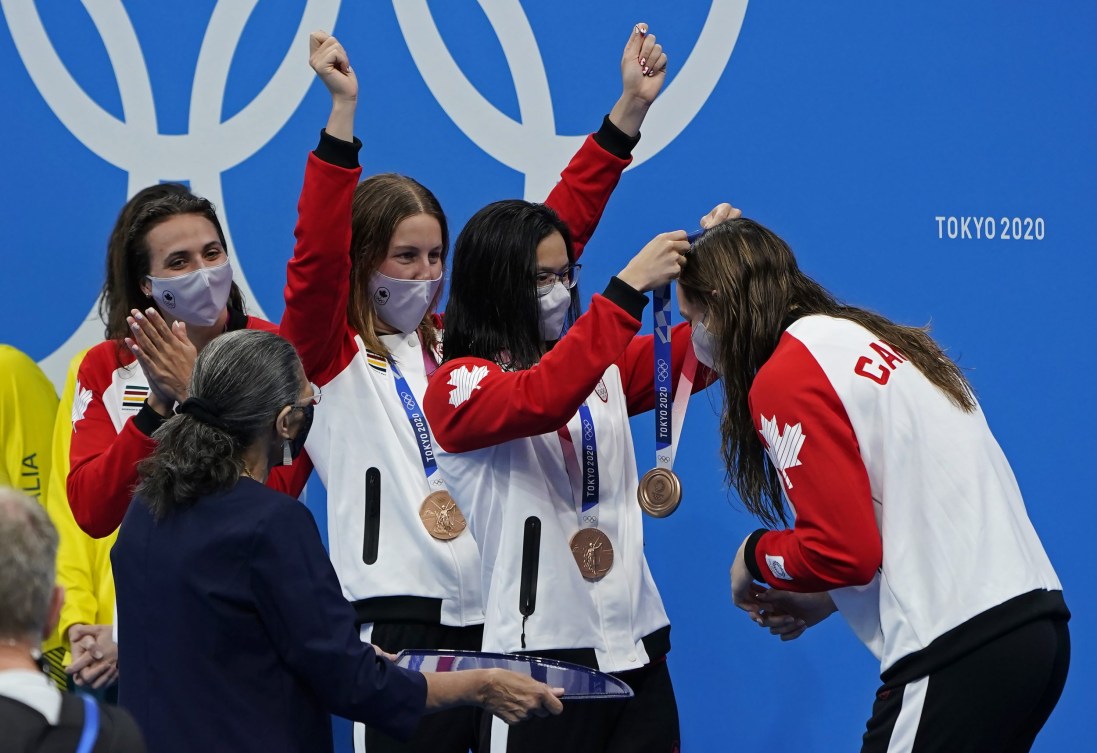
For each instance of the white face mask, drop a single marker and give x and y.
(402, 304)
(554, 310)
(197, 297)
(704, 345)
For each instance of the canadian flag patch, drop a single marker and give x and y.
(464, 380)
(81, 398)
(783, 447)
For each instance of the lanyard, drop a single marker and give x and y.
(669, 415)
(418, 427)
(582, 467)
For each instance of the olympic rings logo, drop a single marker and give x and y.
(662, 370)
(209, 147)
(135, 143)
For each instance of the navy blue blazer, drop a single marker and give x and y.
(233, 633)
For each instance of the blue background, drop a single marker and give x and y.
(846, 127)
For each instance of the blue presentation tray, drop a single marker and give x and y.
(578, 682)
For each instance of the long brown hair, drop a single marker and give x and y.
(758, 287)
(382, 202)
(128, 252)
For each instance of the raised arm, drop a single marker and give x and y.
(593, 173)
(318, 275)
(472, 403)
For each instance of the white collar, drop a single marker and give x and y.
(34, 689)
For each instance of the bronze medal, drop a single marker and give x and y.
(593, 553)
(659, 492)
(441, 516)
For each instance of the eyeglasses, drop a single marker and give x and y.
(313, 399)
(546, 278)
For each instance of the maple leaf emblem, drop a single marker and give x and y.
(783, 447)
(81, 398)
(464, 380)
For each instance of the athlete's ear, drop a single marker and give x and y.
(146, 287)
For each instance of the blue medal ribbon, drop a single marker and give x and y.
(589, 462)
(417, 420)
(663, 410)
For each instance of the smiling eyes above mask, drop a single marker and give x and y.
(402, 304)
(197, 297)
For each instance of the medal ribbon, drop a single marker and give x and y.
(582, 467)
(669, 415)
(419, 427)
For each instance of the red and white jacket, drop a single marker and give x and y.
(503, 460)
(361, 421)
(112, 430)
(905, 507)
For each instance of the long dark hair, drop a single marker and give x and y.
(246, 377)
(492, 311)
(758, 287)
(128, 252)
(380, 203)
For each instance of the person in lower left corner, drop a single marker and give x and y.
(34, 714)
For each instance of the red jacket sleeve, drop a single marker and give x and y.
(472, 403)
(263, 325)
(808, 437)
(584, 190)
(638, 369)
(318, 275)
(103, 461)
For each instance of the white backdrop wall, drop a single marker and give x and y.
(874, 137)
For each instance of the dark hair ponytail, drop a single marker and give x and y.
(240, 382)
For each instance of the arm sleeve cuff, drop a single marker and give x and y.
(627, 297)
(750, 555)
(147, 420)
(614, 140)
(338, 152)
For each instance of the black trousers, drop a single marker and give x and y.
(452, 731)
(645, 723)
(992, 700)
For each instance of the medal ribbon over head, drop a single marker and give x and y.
(669, 416)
